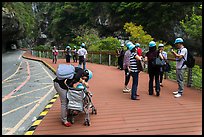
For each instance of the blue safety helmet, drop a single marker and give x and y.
(128, 44)
(137, 44)
(131, 46)
(68, 47)
(152, 44)
(82, 45)
(178, 40)
(88, 74)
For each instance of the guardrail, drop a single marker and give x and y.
(110, 58)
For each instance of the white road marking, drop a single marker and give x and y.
(13, 110)
(12, 74)
(47, 72)
(13, 130)
(30, 91)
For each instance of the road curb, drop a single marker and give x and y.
(37, 122)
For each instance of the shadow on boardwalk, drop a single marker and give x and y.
(118, 114)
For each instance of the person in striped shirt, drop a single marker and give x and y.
(134, 71)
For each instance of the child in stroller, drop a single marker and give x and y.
(79, 100)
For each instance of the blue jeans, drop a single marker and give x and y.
(134, 84)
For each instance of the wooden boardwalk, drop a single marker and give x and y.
(118, 114)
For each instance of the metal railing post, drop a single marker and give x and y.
(100, 62)
(91, 57)
(189, 79)
(109, 59)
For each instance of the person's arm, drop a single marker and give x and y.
(138, 57)
(176, 55)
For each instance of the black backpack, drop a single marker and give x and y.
(190, 62)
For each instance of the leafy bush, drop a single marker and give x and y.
(42, 48)
(108, 44)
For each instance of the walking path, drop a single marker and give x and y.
(118, 114)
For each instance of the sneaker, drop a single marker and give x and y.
(126, 91)
(177, 95)
(175, 92)
(67, 124)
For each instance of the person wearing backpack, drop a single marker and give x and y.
(82, 53)
(181, 56)
(153, 70)
(55, 54)
(75, 75)
(68, 53)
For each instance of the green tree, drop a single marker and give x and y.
(193, 24)
(24, 15)
(137, 34)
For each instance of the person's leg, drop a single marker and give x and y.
(64, 101)
(179, 75)
(127, 79)
(134, 85)
(84, 64)
(157, 83)
(151, 78)
(80, 61)
(161, 77)
(66, 58)
(55, 59)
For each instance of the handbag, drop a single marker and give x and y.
(158, 62)
(167, 67)
(140, 65)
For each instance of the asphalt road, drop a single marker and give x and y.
(27, 88)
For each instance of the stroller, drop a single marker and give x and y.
(79, 100)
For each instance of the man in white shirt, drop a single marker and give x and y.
(182, 52)
(82, 52)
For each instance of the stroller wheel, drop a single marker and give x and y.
(87, 122)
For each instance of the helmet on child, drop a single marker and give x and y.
(137, 44)
(80, 86)
(178, 40)
(88, 74)
(152, 44)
